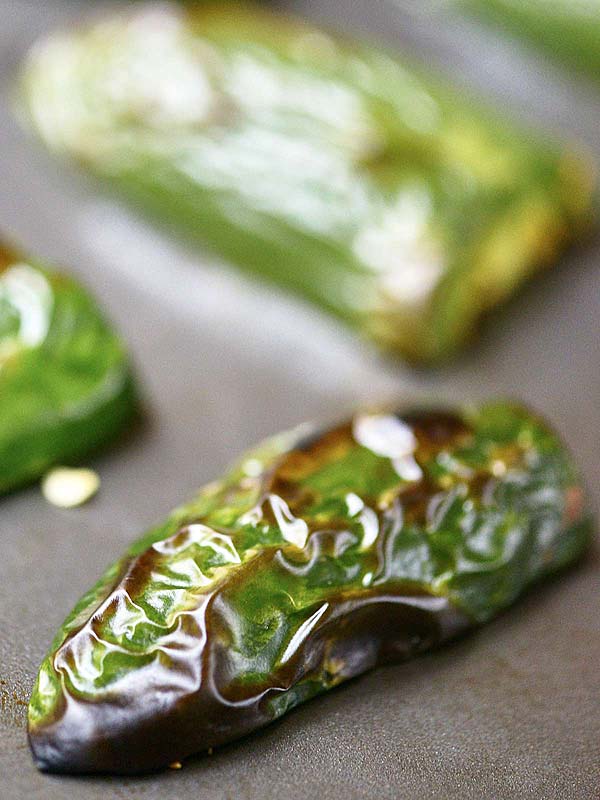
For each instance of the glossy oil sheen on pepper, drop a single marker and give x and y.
(65, 379)
(319, 556)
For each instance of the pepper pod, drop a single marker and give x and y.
(65, 381)
(564, 29)
(331, 168)
(319, 556)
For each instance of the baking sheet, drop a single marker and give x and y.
(510, 712)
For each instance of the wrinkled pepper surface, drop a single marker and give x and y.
(319, 556)
(65, 381)
(563, 28)
(329, 167)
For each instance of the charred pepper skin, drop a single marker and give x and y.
(319, 556)
(330, 168)
(65, 381)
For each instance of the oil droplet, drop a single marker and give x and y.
(370, 523)
(387, 436)
(367, 518)
(354, 503)
(252, 467)
(292, 529)
(384, 434)
(303, 632)
(408, 469)
(498, 468)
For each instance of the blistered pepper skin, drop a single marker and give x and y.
(65, 380)
(319, 556)
(333, 169)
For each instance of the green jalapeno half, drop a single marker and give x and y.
(317, 557)
(331, 168)
(65, 380)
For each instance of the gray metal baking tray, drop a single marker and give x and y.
(510, 712)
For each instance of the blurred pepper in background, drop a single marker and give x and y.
(65, 382)
(566, 29)
(331, 168)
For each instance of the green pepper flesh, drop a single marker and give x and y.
(319, 556)
(65, 381)
(565, 29)
(328, 167)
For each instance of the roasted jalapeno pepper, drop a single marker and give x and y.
(65, 382)
(331, 168)
(319, 556)
(565, 29)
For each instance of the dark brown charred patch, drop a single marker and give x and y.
(319, 450)
(574, 505)
(295, 495)
(437, 429)
(481, 483)
(313, 453)
(415, 499)
(7, 257)
(135, 575)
